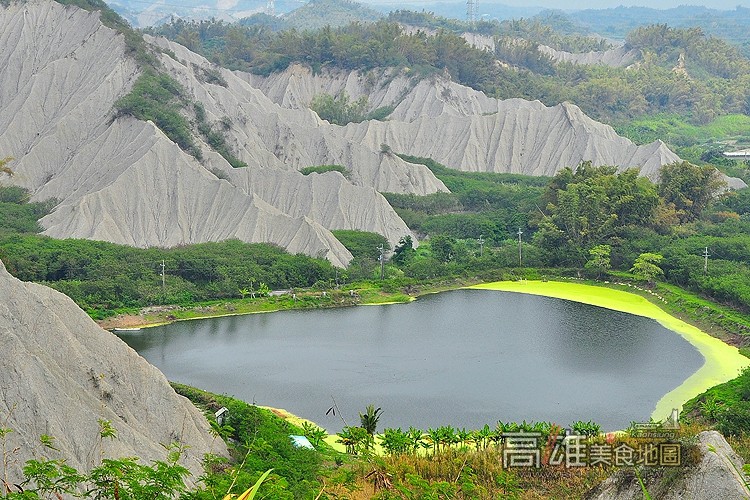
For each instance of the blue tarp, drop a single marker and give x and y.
(301, 442)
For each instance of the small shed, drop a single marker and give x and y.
(221, 415)
(301, 442)
(738, 155)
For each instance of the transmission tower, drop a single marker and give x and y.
(271, 7)
(471, 12)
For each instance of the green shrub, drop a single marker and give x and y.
(339, 109)
(362, 244)
(159, 98)
(321, 169)
(734, 420)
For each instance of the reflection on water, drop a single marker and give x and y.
(464, 358)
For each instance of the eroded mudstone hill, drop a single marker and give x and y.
(123, 180)
(463, 128)
(60, 374)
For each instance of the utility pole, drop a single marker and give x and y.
(163, 281)
(519, 247)
(705, 262)
(481, 245)
(381, 258)
(271, 7)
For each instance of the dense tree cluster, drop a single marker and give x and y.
(590, 206)
(102, 277)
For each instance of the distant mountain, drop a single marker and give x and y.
(486, 11)
(320, 13)
(730, 25)
(143, 13)
(301, 14)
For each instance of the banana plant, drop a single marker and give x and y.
(250, 493)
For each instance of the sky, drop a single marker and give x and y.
(656, 4)
(591, 4)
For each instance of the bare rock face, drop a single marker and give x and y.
(267, 135)
(60, 373)
(158, 196)
(520, 136)
(124, 181)
(715, 476)
(617, 57)
(464, 129)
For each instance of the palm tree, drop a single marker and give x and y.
(434, 436)
(447, 436)
(415, 437)
(369, 420)
(348, 437)
(464, 437)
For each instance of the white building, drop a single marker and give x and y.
(743, 154)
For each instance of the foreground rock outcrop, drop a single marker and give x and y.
(60, 373)
(716, 475)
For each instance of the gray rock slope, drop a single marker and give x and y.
(715, 476)
(476, 40)
(60, 373)
(265, 134)
(122, 180)
(467, 130)
(617, 57)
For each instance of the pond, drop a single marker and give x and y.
(463, 358)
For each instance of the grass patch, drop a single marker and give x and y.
(322, 169)
(674, 129)
(216, 138)
(362, 244)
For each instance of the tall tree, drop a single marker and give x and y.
(369, 422)
(646, 267)
(404, 251)
(599, 259)
(689, 188)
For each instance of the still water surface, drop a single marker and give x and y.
(464, 358)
